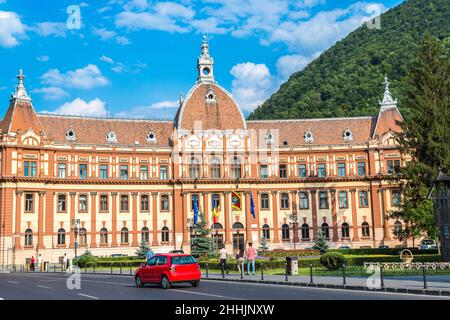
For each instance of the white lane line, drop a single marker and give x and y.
(206, 294)
(88, 296)
(2, 298)
(39, 286)
(15, 282)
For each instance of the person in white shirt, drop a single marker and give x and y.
(223, 259)
(39, 262)
(65, 262)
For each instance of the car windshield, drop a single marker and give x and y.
(183, 260)
(426, 242)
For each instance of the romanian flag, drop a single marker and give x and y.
(216, 214)
(236, 201)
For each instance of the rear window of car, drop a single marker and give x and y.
(183, 260)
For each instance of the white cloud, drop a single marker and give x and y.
(46, 29)
(160, 110)
(79, 107)
(11, 29)
(252, 84)
(43, 58)
(287, 65)
(136, 4)
(148, 21)
(106, 59)
(105, 35)
(122, 40)
(84, 78)
(52, 93)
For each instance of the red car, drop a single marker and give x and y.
(167, 269)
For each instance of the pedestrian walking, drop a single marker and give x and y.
(240, 257)
(251, 257)
(65, 261)
(149, 254)
(39, 262)
(223, 259)
(32, 263)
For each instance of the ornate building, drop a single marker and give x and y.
(119, 181)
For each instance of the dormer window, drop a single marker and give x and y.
(309, 138)
(111, 137)
(269, 138)
(210, 96)
(151, 137)
(348, 135)
(70, 135)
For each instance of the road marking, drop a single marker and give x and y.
(206, 294)
(88, 296)
(15, 282)
(2, 298)
(39, 286)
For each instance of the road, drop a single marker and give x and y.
(48, 286)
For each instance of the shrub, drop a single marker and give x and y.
(387, 251)
(87, 259)
(280, 253)
(332, 260)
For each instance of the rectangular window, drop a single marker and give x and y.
(283, 171)
(103, 171)
(144, 202)
(323, 200)
(304, 200)
(395, 198)
(123, 202)
(124, 172)
(363, 199)
(361, 169)
(62, 170)
(216, 200)
(321, 170)
(265, 201)
(163, 172)
(302, 170)
(341, 169)
(82, 203)
(263, 171)
(83, 171)
(103, 202)
(62, 203)
(396, 166)
(165, 202)
(284, 201)
(29, 206)
(29, 169)
(343, 201)
(144, 172)
(393, 166)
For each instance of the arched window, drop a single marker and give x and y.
(305, 231)
(325, 230)
(397, 228)
(285, 234)
(217, 226)
(103, 236)
(238, 225)
(345, 229)
(194, 168)
(215, 168)
(61, 236)
(145, 234)
(266, 231)
(236, 169)
(124, 235)
(28, 237)
(82, 235)
(165, 234)
(365, 229)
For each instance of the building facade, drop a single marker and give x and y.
(120, 181)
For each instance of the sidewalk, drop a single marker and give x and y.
(436, 285)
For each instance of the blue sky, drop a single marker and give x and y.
(133, 58)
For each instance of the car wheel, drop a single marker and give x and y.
(196, 283)
(139, 282)
(165, 283)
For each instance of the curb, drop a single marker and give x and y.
(428, 292)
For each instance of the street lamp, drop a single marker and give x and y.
(294, 225)
(440, 195)
(76, 228)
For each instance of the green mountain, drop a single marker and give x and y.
(346, 80)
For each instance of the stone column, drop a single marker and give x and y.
(114, 219)
(155, 219)
(334, 215)
(387, 229)
(227, 217)
(313, 194)
(40, 242)
(184, 218)
(93, 220)
(18, 222)
(276, 236)
(135, 242)
(72, 219)
(354, 216)
(206, 208)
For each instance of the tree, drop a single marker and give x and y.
(141, 252)
(202, 244)
(426, 135)
(320, 243)
(263, 246)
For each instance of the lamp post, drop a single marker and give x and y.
(441, 195)
(76, 229)
(294, 225)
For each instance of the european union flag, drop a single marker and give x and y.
(252, 206)
(195, 209)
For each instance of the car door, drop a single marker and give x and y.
(161, 265)
(148, 270)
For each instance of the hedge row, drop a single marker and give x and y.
(388, 251)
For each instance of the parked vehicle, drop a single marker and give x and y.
(118, 255)
(383, 247)
(167, 269)
(428, 244)
(344, 247)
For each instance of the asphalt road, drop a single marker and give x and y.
(48, 286)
